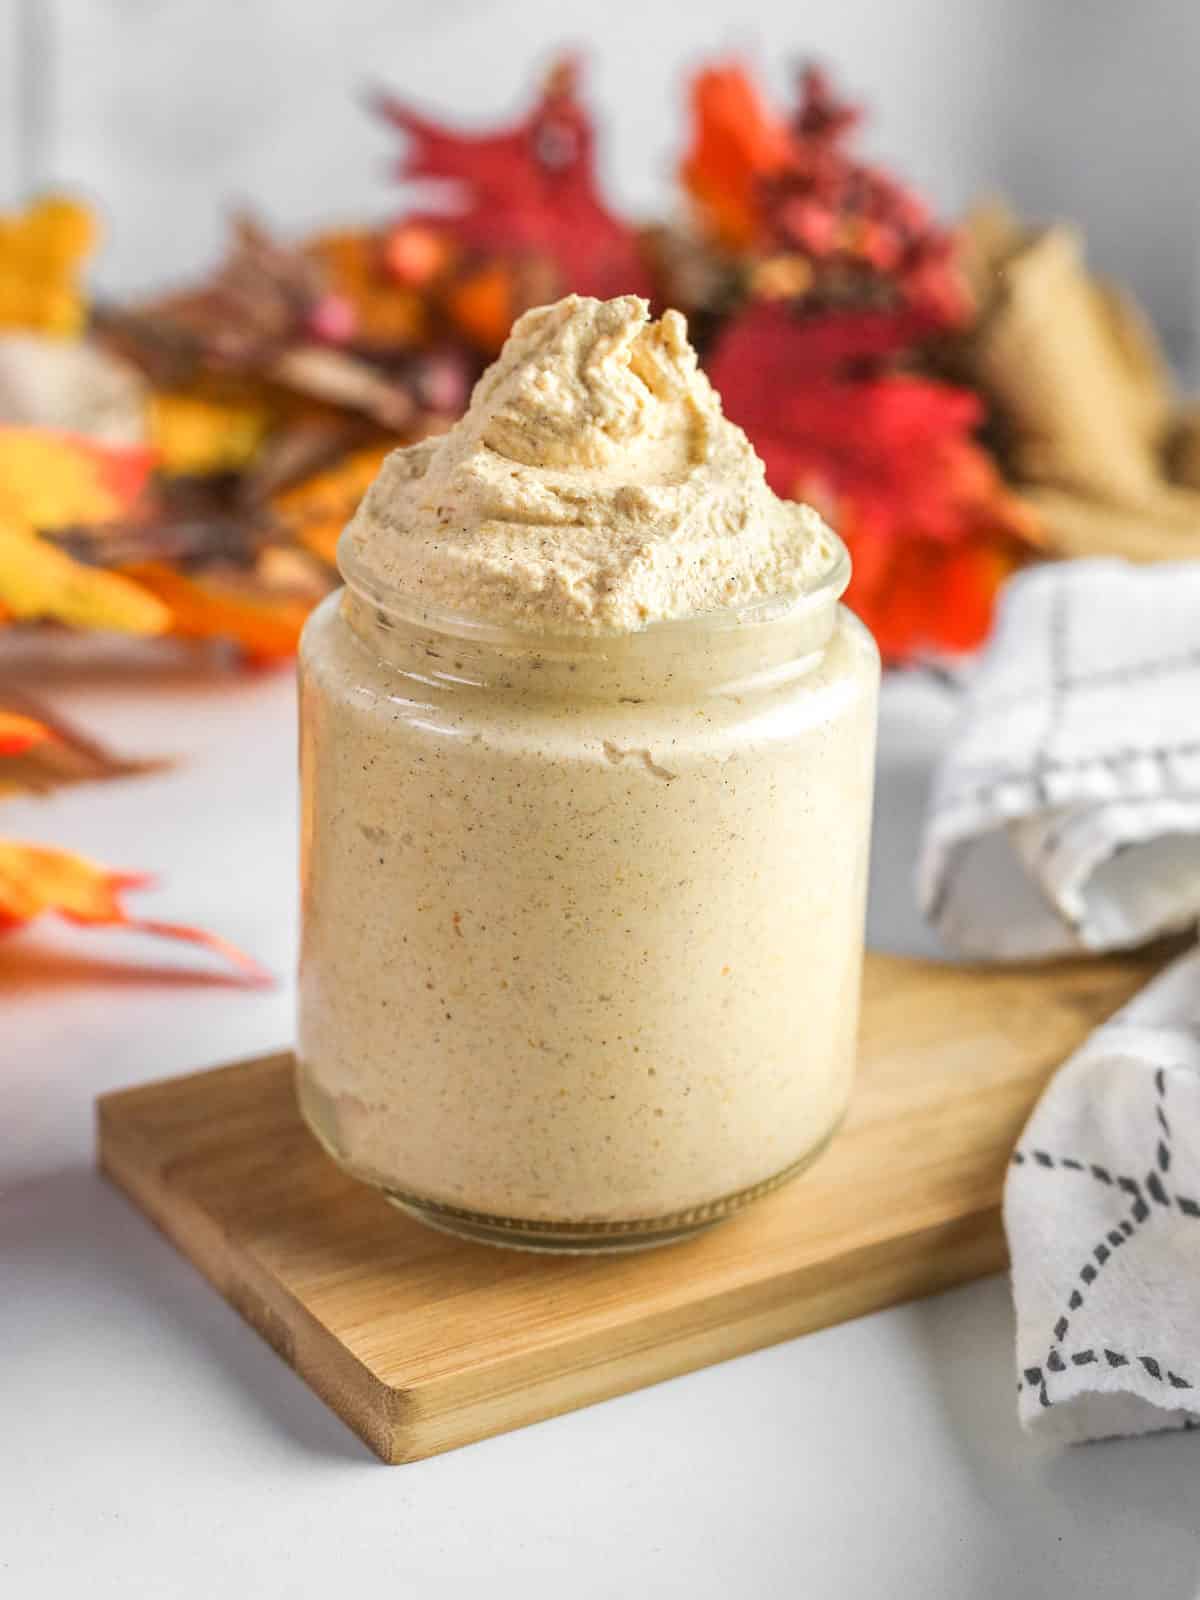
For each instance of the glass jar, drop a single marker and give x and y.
(582, 917)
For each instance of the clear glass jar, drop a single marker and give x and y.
(582, 917)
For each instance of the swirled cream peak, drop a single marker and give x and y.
(592, 486)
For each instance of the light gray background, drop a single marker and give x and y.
(150, 1445)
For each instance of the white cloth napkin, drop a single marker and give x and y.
(1066, 814)
(1066, 817)
(1102, 1210)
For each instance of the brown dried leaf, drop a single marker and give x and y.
(345, 380)
(63, 754)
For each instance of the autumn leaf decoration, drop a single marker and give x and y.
(69, 505)
(42, 251)
(738, 144)
(50, 480)
(38, 752)
(315, 512)
(818, 288)
(41, 752)
(36, 881)
(20, 734)
(890, 458)
(523, 220)
(846, 281)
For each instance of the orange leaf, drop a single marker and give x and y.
(919, 595)
(482, 304)
(265, 625)
(736, 142)
(36, 880)
(386, 310)
(18, 733)
(315, 511)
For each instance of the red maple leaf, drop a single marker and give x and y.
(889, 456)
(528, 190)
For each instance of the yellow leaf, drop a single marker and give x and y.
(193, 434)
(50, 480)
(40, 582)
(41, 252)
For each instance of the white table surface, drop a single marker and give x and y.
(152, 1446)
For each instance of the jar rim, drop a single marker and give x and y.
(397, 606)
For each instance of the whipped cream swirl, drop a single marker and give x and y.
(593, 486)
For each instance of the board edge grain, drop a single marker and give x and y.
(462, 1408)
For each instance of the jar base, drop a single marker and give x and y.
(594, 1238)
(538, 1235)
(542, 1238)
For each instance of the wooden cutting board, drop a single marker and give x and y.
(423, 1343)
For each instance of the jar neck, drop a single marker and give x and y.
(723, 654)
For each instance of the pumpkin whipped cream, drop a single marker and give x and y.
(583, 896)
(592, 486)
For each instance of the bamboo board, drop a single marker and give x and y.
(423, 1343)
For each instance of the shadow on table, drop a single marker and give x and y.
(1117, 1517)
(72, 1245)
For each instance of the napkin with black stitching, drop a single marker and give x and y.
(1065, 816)
(1102, 1211)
